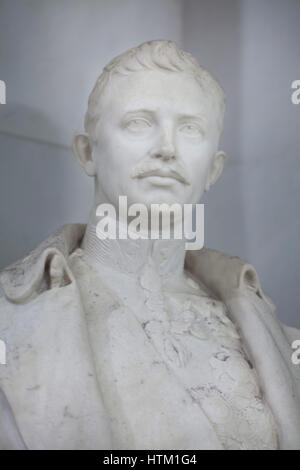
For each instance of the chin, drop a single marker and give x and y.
(160, 197)
(161, 200)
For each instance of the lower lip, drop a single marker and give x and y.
(161, 180)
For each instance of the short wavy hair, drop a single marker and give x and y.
(152, 55)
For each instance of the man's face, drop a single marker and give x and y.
(156, 139)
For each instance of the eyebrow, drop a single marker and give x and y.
(181, 116)
(201, 117)
(141, 110)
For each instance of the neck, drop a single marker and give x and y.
(132, 257)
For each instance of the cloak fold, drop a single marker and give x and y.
(41, 310)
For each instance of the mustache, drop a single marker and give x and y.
(158, 168)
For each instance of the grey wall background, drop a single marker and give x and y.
(50, 55)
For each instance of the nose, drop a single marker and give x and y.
(165, 148)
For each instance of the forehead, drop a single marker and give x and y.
(154, 90)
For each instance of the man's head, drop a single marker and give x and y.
(153, 125)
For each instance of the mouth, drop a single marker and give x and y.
(163, 176)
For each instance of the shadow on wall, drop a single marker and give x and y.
(28, 123)
(42, 185)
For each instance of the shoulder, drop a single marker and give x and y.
(227, 276)
(44, 267)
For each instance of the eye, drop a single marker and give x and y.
(191, 129)
(137, 125)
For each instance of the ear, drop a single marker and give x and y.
(83, 152)
(216, 169)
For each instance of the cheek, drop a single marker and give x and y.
(197, 163)
(108, 158)
(126, 151)
(196, 159)
(114, 167)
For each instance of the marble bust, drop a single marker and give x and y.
(140, 344)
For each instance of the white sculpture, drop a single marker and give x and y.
(129, 344)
